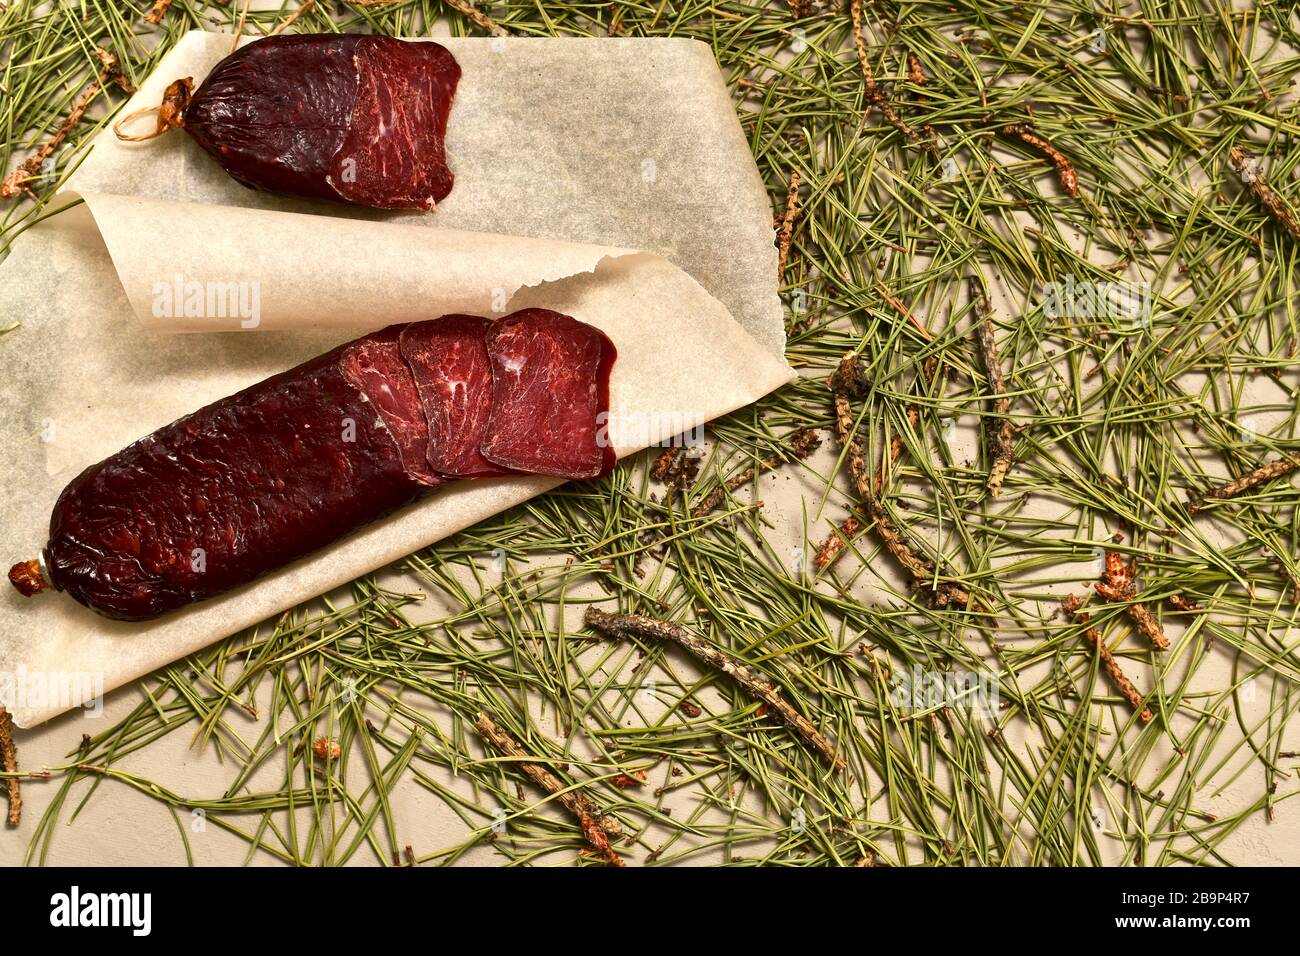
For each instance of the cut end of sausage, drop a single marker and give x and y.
(375, 365)
(27, 579)
(550, 395)
(393, 156)
(449, 359)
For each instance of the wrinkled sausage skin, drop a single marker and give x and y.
(237, 489)
(360, 119)
(257, 480)
(550, 395)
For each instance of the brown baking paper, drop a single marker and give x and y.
(607, 179)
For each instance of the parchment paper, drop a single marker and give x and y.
(607, 179)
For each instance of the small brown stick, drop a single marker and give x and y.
(110, 72)
(851, 526)
(799, 445)
(626, 625)
(999, 435)
(786, 232)
(292, 18)
(1277, 207)
(1180, 603)
(1117, 584)
(800, 8)
(9, 756)
(597, 828)
(481, 20)
(903, 310)
(848, 386)
(1122, 683)
(157, 12)
(860, 45)
(836, 542)
(875, 96)
(1064, 168)
(914, 71)
(677, 468)
(1274, 469)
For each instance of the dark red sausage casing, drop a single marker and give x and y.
(360, 119)
(254, 481)
(243, 486)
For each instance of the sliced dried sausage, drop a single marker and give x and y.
(550, 395)
(239, 488)
(355, 118)
(450, 360)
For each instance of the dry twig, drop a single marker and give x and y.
(625, 625)
(786, 232)
(597, 828)
(9, 758)
(1064, 168)
(28, 169)
(999, 434)
(1122, 683)
(799, 445)
(1118, 584)
(1238, 486)
(1268, 197)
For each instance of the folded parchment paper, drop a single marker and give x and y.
(604, 178)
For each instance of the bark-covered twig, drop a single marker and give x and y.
(28, 169)
(848, 385)
(999, 434)
(914, 71)
(798, 445)
(625, 625)
(1238, 486)
(1122, 683)
(1064, 168)
(1118, 584)
(836, 541)
(1268, 197)
(157, 11)
(676, 468)
(786, 232)
(597, 828)
(875, 95)
(9, 758)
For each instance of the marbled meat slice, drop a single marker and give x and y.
(376, 365)
(393, 156)
(449, 359)
(550, 395)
